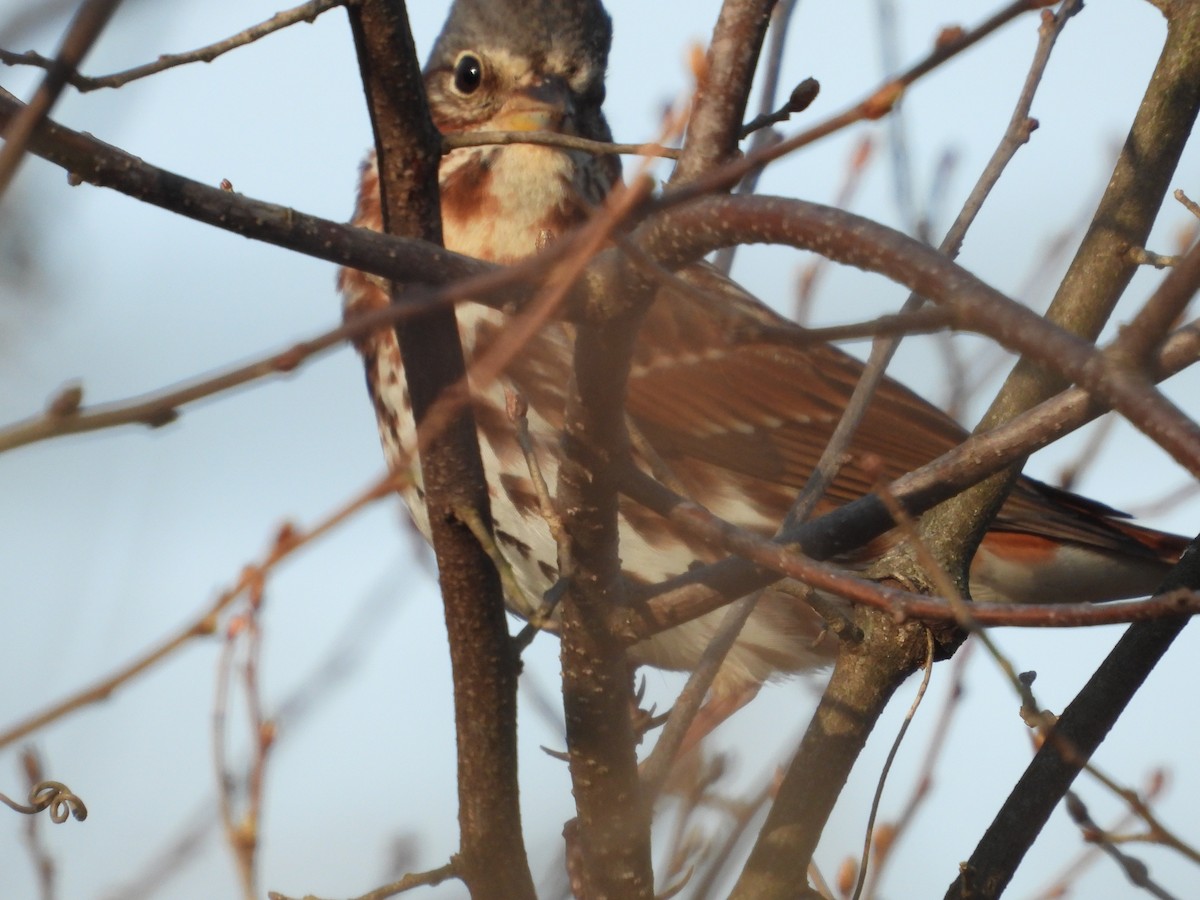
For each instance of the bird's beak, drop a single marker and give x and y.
(542, 106)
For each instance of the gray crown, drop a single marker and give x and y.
(535, 29)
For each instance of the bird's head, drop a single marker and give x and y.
(521, 65)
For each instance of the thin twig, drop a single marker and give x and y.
(1060, 884)
(1188, 203)
(413, 880)
(1158, 832)
(887, 767)
(1135, 870)
(460, 139)
(347, 651)
(657, 766)
(874, 106)
(287, 542)
(305, 12)
(923, 782)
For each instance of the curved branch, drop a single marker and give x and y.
(686, 234)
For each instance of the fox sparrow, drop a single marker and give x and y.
(740, 423)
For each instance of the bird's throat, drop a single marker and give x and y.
(501, 203)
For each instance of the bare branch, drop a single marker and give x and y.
(305, 12)
(287, 542)
(612, 831)
(1081, 727)
(716, 121)
(493, 860)
(552, 139)
(709, 588)
(85, 27)
(1101, 268)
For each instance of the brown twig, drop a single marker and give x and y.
(724, 87)
(869, 837)
(1157, 832)
(1135, 870)
(744, 815)
(85, 27)
(553, 139)
(413, 880)
(1188, 203)
(287, 542)
(305, 12)
(876, 105)
(657, 766)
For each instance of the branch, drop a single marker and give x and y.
(1077, 734)
(305, 12)
(688, 233)
(842, 529)
(493, 860)
(716, 122)
(1102, 267)
(874, 106)
(553, 139)
(85, 27)
(612, 833)
(92, 161)
(287, 541)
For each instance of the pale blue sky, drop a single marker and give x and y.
(110, 541)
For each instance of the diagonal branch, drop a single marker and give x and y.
(1101, 269)
(1077, 734)
(81, 34)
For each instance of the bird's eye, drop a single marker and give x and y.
(468, 74)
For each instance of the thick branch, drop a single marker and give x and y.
(493, 861)
(614, 821)
(716, 122)
(849, 708)
(94, 162)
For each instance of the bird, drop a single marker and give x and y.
(738, 421)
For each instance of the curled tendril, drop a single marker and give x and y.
(52, 795)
